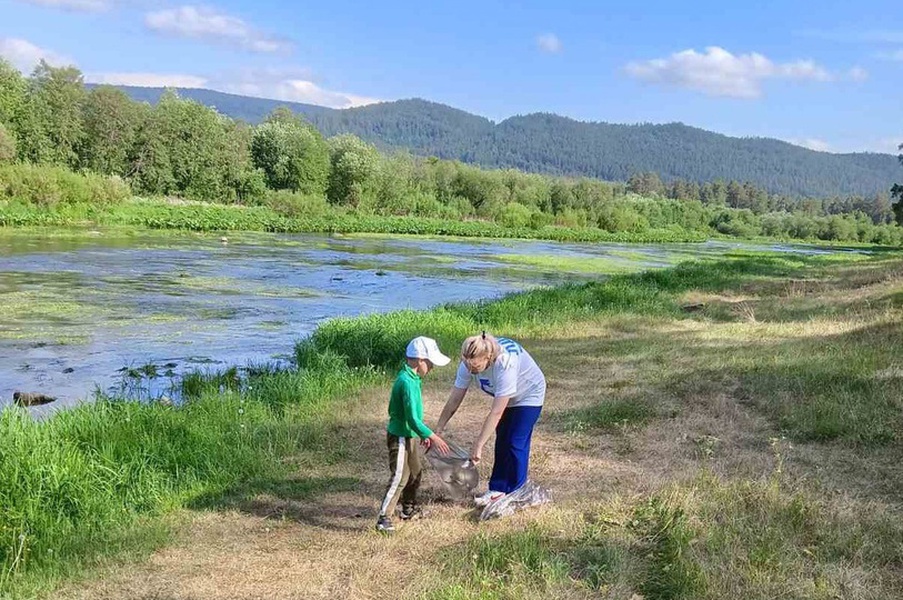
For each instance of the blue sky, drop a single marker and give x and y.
(824, 74)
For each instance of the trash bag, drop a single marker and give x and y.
(527, 495)
(458, 474)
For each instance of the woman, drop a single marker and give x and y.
(505, 371)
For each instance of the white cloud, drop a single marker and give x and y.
(74, 5)
(205, 23)
(813, 144)
(292, 85)
(718, 72)
(147, 79)
(24, 55)
(549, 42)
(858, 74)
(298, 90)
(883, 145)
(889, 145)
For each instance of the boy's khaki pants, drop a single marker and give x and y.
(406, 467)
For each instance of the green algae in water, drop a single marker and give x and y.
(573, 264)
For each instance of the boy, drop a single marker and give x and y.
(405, 426)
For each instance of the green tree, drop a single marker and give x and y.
(681, 189)
(714, 193)
(561, 197)
(150, 168)
(591, 193)
(354, 167)
(619, 216)
(646, 184)
(283, 114)
(237, 168)
(897, 193)
(439, 177)
(51, 126)
(395, 189)
(737, 195)
(878, 207)
(187, 148)
(12, 93)
(291, 153)
(7, 145)
(111, 123)
(485, 190)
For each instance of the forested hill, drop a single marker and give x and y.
(547, 143)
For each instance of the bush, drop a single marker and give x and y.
(515, 215)
(294, 204)
(775, 224)
(616, 218)
(49, 186)
(252, 187)
(539, 219)
(571, 217)
(737, 222)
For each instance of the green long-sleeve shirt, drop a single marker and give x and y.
(406, 406)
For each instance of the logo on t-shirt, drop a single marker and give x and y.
(486, 386)
(510, 346)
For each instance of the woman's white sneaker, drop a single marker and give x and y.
(487, 498)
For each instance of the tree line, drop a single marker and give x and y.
(180, 147)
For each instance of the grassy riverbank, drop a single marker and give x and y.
(161, 214)
(743, 449)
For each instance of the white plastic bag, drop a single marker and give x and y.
(527, 495)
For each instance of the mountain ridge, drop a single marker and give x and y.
(548, 143)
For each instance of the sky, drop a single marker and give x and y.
(827, 74)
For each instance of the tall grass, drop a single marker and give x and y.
(70, 485)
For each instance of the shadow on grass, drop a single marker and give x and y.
(314, 501)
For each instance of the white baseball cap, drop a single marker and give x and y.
(424, 347)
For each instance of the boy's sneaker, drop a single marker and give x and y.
(487, 498)
(411, 512)
(384, 525)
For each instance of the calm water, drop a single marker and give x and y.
(77, 310)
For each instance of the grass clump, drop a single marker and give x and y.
(514, 565)
(613, 414)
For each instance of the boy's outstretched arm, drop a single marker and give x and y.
(413, 409)
(438, 442)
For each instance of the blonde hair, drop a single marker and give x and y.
(478, 346)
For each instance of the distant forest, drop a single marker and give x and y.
(546, 143)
